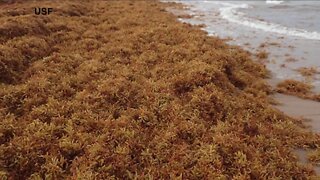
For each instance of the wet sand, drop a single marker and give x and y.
(280, 49)
(120, 89)
(285, 55)
(301, 108)
(303, 53)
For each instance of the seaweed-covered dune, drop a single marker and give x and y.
(121, 89)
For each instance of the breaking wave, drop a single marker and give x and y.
(273, 2)
(230, 13)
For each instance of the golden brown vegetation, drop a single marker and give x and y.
(314, 156)
(185, 16)
(297, 88)
(294, 87)
(308, 71)
(122, 90)
(262, 54)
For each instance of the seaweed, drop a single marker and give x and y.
(297, 88)
(294, 87)
(122, 90)
(308, 71)
(262, 54)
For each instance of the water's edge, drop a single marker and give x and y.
(289, 105)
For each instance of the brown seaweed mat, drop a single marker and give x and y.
(122, 90)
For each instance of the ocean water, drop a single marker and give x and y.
(283, 17)
(292, 27)
(288, 30)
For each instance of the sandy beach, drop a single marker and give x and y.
(129, 90)
(287, 51)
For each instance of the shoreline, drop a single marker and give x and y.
(282, 49)
(291, 106)
(288, 104)
(273, 80)
(121, 89)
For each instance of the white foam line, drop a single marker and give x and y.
(273, 2)
(230, 13)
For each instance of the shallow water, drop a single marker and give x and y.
(295, 10)
(301, 108)
(293, 27)
(297, 107)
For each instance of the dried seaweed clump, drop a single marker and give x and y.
(122, 90)
(314, 156)
(308, 71)
(294, 87)
(262, 55)
(297, 88)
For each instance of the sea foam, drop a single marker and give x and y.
(273, 2)
(230, 12)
